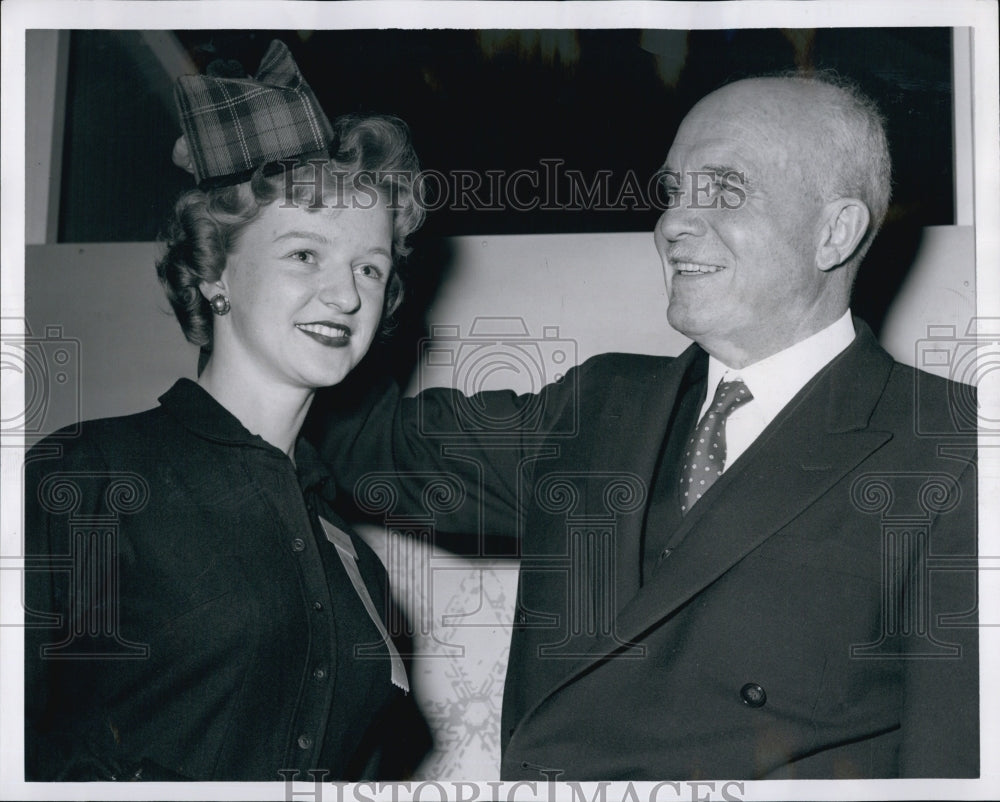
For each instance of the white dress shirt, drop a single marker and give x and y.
(774, 381)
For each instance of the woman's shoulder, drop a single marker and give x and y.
(103, 439)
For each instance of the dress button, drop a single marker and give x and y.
(664, 554)
(753, 695)
(319, 673)
(298, 544)
(317, 606)
(305, 742)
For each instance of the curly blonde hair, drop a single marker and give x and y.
(206, 224)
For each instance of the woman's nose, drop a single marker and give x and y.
(340, 290)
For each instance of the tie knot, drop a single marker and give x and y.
(729, 396)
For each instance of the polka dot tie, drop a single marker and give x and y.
(705, 455)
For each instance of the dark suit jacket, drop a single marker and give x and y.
(815, 617)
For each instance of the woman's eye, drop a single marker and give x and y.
(306, 257)
(369, 271)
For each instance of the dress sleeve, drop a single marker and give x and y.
(54, 689)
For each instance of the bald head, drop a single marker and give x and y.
(834, 132)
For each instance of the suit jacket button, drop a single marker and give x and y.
(305, 742)
(520, 619)
(298, 544)
(753, 695)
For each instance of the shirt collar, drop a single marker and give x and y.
(775, 380)
(194, 408)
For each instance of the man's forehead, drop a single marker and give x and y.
(727, 145)
(745, 122)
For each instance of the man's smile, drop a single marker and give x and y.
(682, 268)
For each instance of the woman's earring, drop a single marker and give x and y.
(220, 304)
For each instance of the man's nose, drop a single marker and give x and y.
(340, 290)
(680, 220)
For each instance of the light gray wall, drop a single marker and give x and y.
(601, 292)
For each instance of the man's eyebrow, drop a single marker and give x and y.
(715, 169)
(722, 169)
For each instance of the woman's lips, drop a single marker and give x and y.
(334, 335)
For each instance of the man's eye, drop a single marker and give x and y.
(669, 183)
(732, 180)
(670, 187)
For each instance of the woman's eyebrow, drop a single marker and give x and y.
(301, 235)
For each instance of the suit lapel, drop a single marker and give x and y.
(646, 404)
(773, 486)
(788, 468)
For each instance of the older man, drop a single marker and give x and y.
(746, 561)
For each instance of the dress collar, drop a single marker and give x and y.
(196, 410)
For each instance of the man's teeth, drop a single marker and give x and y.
(691, 268)
(319, 328)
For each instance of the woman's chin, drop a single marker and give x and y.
(319, 379)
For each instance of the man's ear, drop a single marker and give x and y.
(845, 223)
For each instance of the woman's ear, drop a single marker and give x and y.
(209, 289)
(845, 224)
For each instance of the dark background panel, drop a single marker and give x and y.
(595, 101)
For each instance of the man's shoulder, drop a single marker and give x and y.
(909, 400)
(934, 405)
(640, 367)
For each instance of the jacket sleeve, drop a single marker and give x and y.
(940, 717)
(468, 460)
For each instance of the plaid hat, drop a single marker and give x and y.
(234, 125)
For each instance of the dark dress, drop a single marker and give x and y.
(187, 617)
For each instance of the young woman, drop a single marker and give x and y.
(213, 619)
